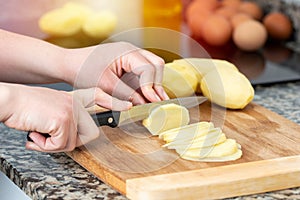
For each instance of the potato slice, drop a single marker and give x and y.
(187, 132)
(227, 88)
(166, 117)
(179, 80)
(238, 154)
(198, 144)
(186, 137)
(226, 148)
(179, 141)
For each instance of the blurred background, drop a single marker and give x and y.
(261, 37)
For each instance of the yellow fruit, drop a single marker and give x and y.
(179, 80)
(100, 25)
(227, 88)
(166, 117)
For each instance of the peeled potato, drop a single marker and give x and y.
(205, 65)
(227, 88)
(223, 84)
(201, 66)
(166, 117)
(65, 21)
(100, 25)
(179, 80)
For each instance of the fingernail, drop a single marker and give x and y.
(166, 97)
(157, 97)
(128, 104)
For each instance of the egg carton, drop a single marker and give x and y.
(289, 7)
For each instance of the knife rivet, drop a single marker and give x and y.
(110, 120)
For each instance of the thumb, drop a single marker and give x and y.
(87, 129)
(96, 96)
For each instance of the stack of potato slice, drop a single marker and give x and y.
(198, 142)
(201, 142)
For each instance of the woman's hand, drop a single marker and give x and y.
(61, 115)
(120, 69)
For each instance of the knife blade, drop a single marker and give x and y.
(140, 112)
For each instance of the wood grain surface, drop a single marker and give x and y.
(134, 163)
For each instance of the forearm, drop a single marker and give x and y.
(28, 60)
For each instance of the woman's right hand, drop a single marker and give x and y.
(58, 113)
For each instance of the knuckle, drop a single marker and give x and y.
(100, 95)
(160, 62)
(98, 91)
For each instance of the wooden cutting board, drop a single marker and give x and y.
(134, 163)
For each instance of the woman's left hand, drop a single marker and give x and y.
(120, 69)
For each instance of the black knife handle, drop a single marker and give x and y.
(108, 118)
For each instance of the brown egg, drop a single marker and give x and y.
(239, 18)
(231, 3)
(216, 30)
(197, 13)
(226, 11)
(196, 22)
(208, 4)
(250, 35)
(278, 25)
(196, 7)
(251, 9)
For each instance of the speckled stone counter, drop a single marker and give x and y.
(56, 176)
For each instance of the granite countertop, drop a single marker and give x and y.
(56, 176)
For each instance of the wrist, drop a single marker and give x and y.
(72, 63)
(6, 98)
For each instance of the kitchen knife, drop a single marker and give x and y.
(140, 112)
(137, 113)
